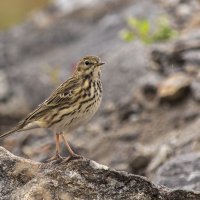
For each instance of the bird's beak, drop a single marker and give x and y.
(102, 63)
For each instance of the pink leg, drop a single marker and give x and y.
(57, 156)
(71, 152)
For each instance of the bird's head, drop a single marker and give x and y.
(89, 66)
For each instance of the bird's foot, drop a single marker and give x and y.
(72, 157)
(55, 158)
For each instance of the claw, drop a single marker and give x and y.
(54, 158)
(72, 157)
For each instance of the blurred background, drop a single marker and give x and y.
(149, 119)
(13, 12)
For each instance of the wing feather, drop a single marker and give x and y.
(63, 95)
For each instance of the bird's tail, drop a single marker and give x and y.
(16, 129)
(23, 127)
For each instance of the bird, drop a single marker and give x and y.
(71, 105)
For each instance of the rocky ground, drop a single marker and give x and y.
(78, 179)
(149, 121)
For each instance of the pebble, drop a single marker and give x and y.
(174, 87)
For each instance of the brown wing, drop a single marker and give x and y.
(63, 95)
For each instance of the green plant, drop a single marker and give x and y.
(142, 30)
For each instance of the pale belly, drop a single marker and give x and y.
(80, 117)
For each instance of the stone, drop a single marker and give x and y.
(161, 155)
(195, 88)
(174, 87)
(23, 179)
(139, 163)
(4, 86)
(181, 171)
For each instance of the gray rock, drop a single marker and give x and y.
(4, 86)
(195, 87)
(23, 179)
(182, 11)
(175, 55)
(160, 156)
(182, 171)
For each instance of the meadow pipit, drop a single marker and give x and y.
(72, 104)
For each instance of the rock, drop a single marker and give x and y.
(163, 56)
(139, 163)
(160, 157)
(4, 86)
(186, 138)
(174, 87)
(94, 128)
(192, 69)
(195, 88)
(127, 109)
(149, 85)
(182, 171)
(16, 105)
(22, 179)
(190, 115)
(178, 54)
(182, 11)
(145, 93)
(109, 107)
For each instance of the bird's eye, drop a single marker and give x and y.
(87, 62)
